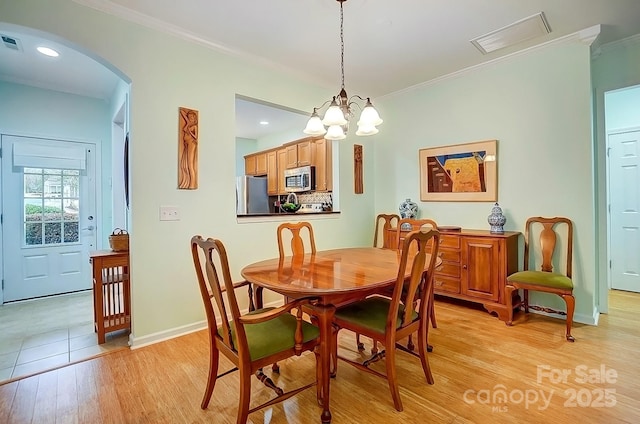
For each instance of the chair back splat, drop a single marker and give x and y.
(297, 240)
(388, 222)
(242, 338)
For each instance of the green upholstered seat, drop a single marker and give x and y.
(542, 278)
(371, 313)
(273, 336)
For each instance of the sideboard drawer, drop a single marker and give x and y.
(450, 241)
(449, 268)
(444, 284)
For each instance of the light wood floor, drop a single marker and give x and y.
(475, 358)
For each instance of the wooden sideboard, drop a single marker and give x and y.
(475, 266)
(111, 292)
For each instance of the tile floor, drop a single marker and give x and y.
(42, 334)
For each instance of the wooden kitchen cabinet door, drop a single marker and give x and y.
(261, 164)
(250, 165)
(272, 172)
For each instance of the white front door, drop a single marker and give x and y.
(624, 192)
(48, 211)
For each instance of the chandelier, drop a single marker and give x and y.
(335, 122)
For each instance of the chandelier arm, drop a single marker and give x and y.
(315, 109)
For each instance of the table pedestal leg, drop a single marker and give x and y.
(325, 318)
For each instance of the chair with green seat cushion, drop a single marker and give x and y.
(249, 341)
(544, 280)
(387, 320)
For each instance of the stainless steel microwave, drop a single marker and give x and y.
(300, 179)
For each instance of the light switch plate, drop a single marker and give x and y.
(169, 213)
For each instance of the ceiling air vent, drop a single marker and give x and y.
(11, 43)
(524, 29)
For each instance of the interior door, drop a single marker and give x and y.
(624, 215)
(48, 209)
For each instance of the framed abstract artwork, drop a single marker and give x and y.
(459, 173)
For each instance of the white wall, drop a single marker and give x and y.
(36, 112)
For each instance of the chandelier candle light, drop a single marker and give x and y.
(335, 123)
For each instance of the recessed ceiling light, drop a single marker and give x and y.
(264, 122)
(48, 52)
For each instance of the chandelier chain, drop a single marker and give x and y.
(341, 43)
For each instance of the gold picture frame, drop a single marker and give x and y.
(459, 173)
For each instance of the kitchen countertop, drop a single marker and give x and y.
(255, 215)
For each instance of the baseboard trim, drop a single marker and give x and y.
(581, 318)
(183, 330)
(161, 336)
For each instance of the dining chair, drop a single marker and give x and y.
(545, 280)
(388, 320)
(389, 221)
(413, 224)
(297, 242)
(249, 341)
(297, 248)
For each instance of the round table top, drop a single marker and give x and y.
(328, 272)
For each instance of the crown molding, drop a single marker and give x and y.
(117, 10)
(585, 36)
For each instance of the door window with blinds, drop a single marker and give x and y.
(51, 199)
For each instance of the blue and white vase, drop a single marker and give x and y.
(408, 209)
(496, 220)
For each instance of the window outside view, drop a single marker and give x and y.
(51, 206)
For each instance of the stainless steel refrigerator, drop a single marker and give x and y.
(251, 195)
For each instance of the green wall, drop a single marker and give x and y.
(166, 73)
(537, 105)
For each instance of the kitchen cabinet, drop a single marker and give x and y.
(281, 159)
(261, 164)
(272, 172)
(321, 159)
(299, 153)
(475, 266)
(255, 164)
(250, 165)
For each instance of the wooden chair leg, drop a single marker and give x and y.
(245, 396)
(422, 351)
(432, 315)
(214, 357)
(571, 304)
(525, 296)
(508, 293)
(359, 344)
(392, 376)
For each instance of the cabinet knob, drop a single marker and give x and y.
(439, 283)
(464, 266)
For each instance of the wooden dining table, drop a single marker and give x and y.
(334, 277)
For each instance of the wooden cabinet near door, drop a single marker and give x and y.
(111, 292)
(475, 266)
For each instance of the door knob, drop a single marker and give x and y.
(90, 228)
